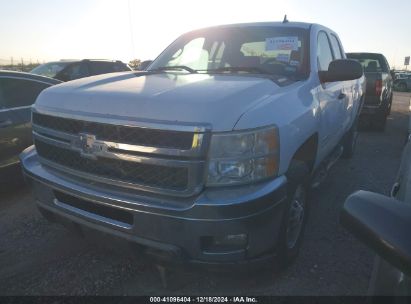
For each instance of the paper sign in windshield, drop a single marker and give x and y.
(281, 44)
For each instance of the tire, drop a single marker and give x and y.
(350, 141)
(389, 105)
(294, 218)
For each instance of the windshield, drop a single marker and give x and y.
(256, 49)
(50, 69)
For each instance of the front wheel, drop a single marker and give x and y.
(350, 141)
(293, 223)
(296, 217)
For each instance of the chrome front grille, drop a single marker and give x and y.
(124, 155)
(132, 172)
(115, 133)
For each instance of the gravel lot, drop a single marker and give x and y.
(38, 258)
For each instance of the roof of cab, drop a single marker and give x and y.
(302, 25)
(280, 24)
(289, 24)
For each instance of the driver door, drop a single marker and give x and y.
(331, 98)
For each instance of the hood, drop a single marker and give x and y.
(217, 100)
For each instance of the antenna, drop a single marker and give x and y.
(285, 19)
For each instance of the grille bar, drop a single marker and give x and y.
(180, 140)
(157, 157)
(151, 175)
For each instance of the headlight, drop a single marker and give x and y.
(243, 157)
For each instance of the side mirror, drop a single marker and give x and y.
(342, 70)
(383, 224)
(144, 65)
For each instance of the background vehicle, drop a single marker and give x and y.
(18, 91)
(184, 158)
(383, 224)
(401, 75)
(404, 83)
(144, 65)
(66, 70)
(378, 98)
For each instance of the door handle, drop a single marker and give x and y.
(5, 123)
(341, 96)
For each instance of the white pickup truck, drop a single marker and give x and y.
(205, 157)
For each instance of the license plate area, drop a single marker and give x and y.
(99, 212)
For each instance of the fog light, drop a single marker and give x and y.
(225, 243)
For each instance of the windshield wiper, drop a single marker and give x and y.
(277, 78)
(256, 70)
(175, 67)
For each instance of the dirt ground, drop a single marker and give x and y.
(39, 258)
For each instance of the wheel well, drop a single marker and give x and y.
(307, 152)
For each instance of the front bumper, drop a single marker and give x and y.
(194, 231)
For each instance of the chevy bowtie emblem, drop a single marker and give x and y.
(87, 144)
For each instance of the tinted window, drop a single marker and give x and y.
(102, 67)
(371, 62)
(324, 55)
(73, 71)
(19, 92)
(50, 69)
(336, 47)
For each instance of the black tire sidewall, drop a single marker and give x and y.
(348, 144)
(287, 255)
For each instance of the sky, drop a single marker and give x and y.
(47, 30)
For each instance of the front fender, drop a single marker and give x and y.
(295, 113)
